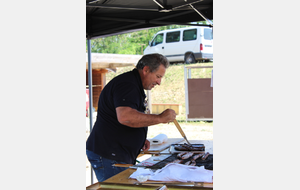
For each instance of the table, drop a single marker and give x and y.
(122, 181)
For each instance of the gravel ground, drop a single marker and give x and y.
(192, 132)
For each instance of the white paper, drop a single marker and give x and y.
(177, 172)
(141, 172)
(159, 139)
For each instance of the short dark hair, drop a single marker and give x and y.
(153, 61)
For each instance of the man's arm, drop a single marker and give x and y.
(133, 118)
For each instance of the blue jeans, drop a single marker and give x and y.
(103, 167)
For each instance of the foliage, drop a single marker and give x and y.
(129, 43)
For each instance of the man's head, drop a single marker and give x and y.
(152, 68)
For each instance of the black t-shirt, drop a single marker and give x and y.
(109, 138)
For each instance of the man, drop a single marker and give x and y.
(121, 127)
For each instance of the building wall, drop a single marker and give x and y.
(98, 80)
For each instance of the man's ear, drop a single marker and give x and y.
(146, 70)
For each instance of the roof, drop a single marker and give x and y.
(112, 17)
(112, 61)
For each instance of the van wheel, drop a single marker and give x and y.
(189, 58)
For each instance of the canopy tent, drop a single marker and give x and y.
(113, 17)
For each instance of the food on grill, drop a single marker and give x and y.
(205, 156)
(187, 155)
(207, 163)
(180, 148)
(195, 157)
(184, 155)
(193, 163)
(179, 155)
(177, 161)
(188, 162)
(187, 147)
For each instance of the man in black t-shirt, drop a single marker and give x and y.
(120, 130)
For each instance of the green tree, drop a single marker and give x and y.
(129, 43)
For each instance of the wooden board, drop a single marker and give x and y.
(158, 108)
(200, 96)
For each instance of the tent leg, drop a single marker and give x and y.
(90, 94)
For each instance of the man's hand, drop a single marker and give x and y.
(168, 116)
(146, 145)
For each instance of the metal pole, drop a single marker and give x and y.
(149, 100)
(210, 23)
(186, 94)
(90, 94)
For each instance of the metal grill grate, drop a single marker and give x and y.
(208, 163)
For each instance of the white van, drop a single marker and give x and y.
(187, 45)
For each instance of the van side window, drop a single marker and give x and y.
(208, 34)
(157, 40)
(173, 37)
(190, 35)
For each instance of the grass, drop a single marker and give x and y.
(172, 89)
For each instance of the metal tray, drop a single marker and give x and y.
(173, 150)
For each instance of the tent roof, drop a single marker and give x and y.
(112, 17)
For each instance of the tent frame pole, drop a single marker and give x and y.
(90, 94)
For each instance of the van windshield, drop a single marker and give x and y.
(208, 34)
(157, 40)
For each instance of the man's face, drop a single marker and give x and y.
(152, 79)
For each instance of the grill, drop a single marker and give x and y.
(207, 163)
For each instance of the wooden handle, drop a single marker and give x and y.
(123, 165)
(179, 128)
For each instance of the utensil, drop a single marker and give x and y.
(166, 183)
(122, 165)
(181, 131)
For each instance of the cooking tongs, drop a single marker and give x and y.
(181, 131)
